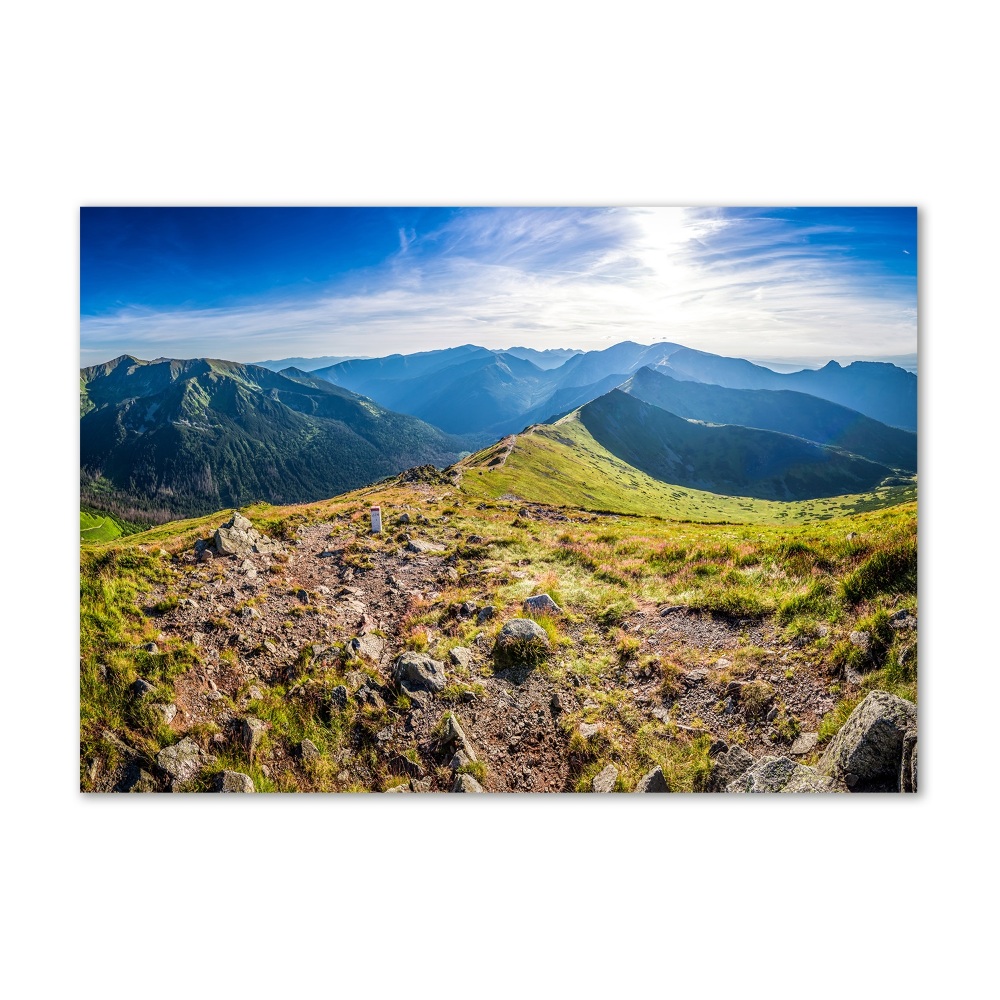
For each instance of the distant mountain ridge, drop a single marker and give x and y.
(781, 410)
(197, 435)
(475, 390)
(725, 459)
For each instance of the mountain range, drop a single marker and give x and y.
(473, 390)
(193, 436)
(186, 437)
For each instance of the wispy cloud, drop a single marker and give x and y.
(723, 281)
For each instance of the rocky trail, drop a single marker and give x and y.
(324, 619)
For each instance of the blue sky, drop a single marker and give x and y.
(248, 284)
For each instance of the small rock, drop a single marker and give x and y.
(255, 693)
(589, 729)
(250, 731)
(141, 688)
(384, 735)
(416, 545)
(454, 735)
(166, 712)
(182, 761)
(673, 609)
(150, 647)
(605, 781)
(459, 760)
(541, 604)
(338, 696)
(804, 744)
(398, 789)
(303, 595)
(485, 614)
(234, 781)
(466, 783)
(557, 704)
(772, 715)
(309, 751)
(654, 781)
(403, 519)
(420, 671)
(461, 656)
(206, 555)
(467, 609)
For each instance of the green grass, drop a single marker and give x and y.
(98, 527)
(563, 464)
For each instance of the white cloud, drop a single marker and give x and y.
(567, 278)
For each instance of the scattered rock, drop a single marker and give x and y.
(522, 634)
(206, 555)
(338, 697)
(141, 688)
(541, 604)
(727, 767)
(654, 781)
(605, 781)
(461, 656)
(309, 751)
(255, 693)
(466, 783)
(454, 735)
(150, 647)
(485, 614)
(167, 712)
(673, 609)
(862, 640)
(870, 743)
(771, 715)
(398, 789)
(403, 519)
(804, 744)
(416, 545)
(769, 774)
(250, 732)
(420, 671)
(182, 761)
(589, 729)
(908, 771)
(303, 595)
(234, 781)
(459, 760)
(467, 609)
(238, 537)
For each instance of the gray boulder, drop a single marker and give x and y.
(454, 735)
(420, 671)
(654, 781)
(234, 781)
(727, 767)
(466, 783)
(804, 744)
(541, 604)
(605, 781)
(522, 630)
(869, 746)
(908, 772)
(416, 545)
(238, 537)
(779, 774)
(251, 731)
(461, 656)
(182, 761)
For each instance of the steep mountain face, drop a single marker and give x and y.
(778, 410)
(191, 436)
(733, 460)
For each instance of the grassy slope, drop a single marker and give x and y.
(98, 528)
(562, 464)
